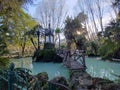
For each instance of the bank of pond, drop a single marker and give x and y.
(99, 75)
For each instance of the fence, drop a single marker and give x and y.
(20, 79)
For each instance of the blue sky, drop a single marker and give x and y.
(70, 4)
(73, 10)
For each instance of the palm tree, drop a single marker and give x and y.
(58, 31)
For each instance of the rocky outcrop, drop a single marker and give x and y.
(47, 55)
(105, 84)
(61, 80)
(111, 86)
(80, 80)
(60, 83)
(43, 79)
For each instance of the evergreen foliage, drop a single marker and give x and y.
(47, 55)
(72, 26)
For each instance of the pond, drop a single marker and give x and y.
(103, 69)
(53, 69)
(95, 67)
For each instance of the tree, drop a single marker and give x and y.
(36, 31)
(112, 4)
(96, 11)
(110, 43)
(51, 12)
(100, 11)
(74, 32)
(82, 7)
(10, 17)
(92, 13)
(117, 4)
(26, 23)
(57, 31)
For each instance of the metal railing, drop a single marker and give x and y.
(17, 79)
(10, 79)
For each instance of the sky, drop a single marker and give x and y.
(70, 4)
(31, 10)
(73, 10)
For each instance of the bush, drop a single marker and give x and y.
(3, 63)
(63, 46)
(107, 49)
(49, 54)
(92, 48)
(49, 46)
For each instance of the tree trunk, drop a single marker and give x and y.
(59, 39)
(33, 43)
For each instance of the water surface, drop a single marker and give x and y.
(103, 69)
(53, 69)
(95, 67)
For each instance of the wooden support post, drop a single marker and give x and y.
(83, 57)
(10, 76)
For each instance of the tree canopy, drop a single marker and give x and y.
(74, 31)
(14, 22)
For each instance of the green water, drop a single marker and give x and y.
(103, 69)
(53, 69)
(96, 68)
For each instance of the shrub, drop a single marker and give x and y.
(45, 55)
(92, 48)
(107, 49)
(3, 63)
(49, 54)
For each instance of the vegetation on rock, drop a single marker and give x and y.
(47, 55)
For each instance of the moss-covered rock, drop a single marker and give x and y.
(60, 80)
(42, 77)
(80, 79)
(111, 86)
(105, 84)
(47, 55)
(100, 81)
